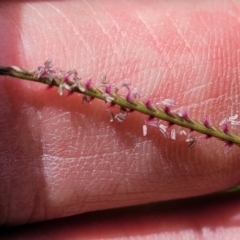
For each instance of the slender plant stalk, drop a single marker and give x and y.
(70, 82)
(127, 103)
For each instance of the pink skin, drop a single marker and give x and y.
(61, 158)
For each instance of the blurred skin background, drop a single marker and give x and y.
(60, 158)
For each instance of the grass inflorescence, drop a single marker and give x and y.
(69, 81)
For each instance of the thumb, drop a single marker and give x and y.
(60, 157)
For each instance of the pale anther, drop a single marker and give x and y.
(120, 117)
(111, 116)
(163, 129)
(192, 142)
(108, 97)
(234, 117)
(167, 102)
(183, 132)
(144, 130)
(224, 121)
(173, 134)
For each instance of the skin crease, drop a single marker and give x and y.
(61, 158)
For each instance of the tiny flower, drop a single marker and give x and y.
(136, 93)
(69, 76)
(168, 103)
(184, 114)
(128, 97)
(225, 128)
(48, 64)
(206, 122)
(108, 89)
(47, 71)
(122, 85)
(108, 97)
(78, 85)
(167, 110)
(88, 84)
(121, 116)
(133, 95)
(149, 105)
(104, 84)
